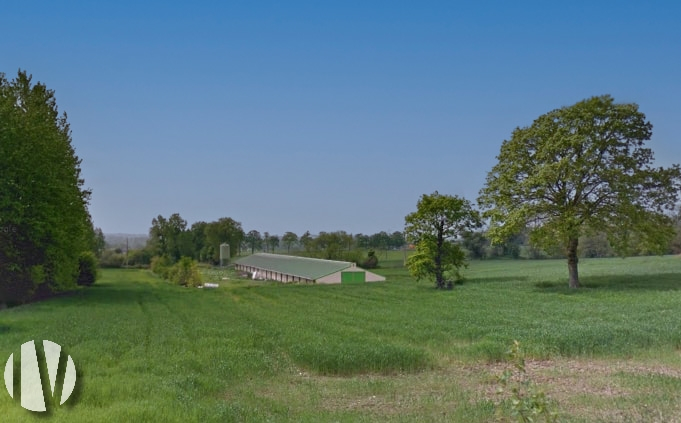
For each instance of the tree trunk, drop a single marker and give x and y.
(439, 277)
(572, 262)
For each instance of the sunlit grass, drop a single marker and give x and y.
(146, 350)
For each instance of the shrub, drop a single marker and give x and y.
(475, 243)
(353, 256)
(595, 246)
(87, 269)
(371, 262)
(186, 272)
(528, 403)
(161, 265)
(139, 258)
(16, 287)
(111, 259)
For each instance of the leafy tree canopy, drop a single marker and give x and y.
(289, 239)
(437, 221)
(223, 230)
(253, 240)
(578, 170)
(165, 236)
(44, 221)
(273, 242)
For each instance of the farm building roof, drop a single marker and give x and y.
(303, 267)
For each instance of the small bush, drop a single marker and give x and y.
(186, 272)
(371, 262)
(527, 403)
(139, 258)
(353, 256)
(15, 287)
(161, 266)
(87, 269)
(111, 259)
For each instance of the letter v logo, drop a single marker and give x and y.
(32, 395)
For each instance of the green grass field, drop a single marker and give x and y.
(396, 351)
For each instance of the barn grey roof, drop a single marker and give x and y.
(303, 267)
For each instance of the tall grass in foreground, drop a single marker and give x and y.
(146, 350)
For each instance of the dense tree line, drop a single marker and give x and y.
(593, 245)
(47, 240)
(172, 238)
(676, 241)
(519, 246)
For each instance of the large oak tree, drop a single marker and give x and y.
(580, 170)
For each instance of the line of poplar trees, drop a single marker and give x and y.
(46, 233)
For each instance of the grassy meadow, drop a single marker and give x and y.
(398, 351)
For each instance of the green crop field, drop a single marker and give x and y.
(400, 351)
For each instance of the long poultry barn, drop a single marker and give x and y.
(283, 268)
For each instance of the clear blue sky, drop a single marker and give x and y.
(325, 115)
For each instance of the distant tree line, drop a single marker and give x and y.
(518, 246)
(594, 245)
(171, 238)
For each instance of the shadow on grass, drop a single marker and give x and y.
(112, 294)
(649, 282)
(496, 279)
